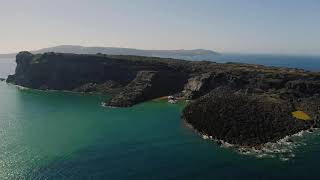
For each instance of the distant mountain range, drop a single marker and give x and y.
(195, 54)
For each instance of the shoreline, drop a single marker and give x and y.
(259, 151)
(282, 146)
(255, 101)
(56, 91)
(103, 104)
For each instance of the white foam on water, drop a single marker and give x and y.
(103, 104)
(226, 144)
(22, 88)
(283, 149)
(205, 137)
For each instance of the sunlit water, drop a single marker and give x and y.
(56, 135)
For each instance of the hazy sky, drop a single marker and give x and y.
(257, 26)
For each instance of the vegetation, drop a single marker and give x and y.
(301, 115)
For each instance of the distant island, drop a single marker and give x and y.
(243, 104)
(196, 54)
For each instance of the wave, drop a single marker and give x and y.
(283, 149)
(22, 87)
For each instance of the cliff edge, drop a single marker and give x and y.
(243, 104)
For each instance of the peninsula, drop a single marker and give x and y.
(242, 104)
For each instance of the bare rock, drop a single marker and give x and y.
(244, 119)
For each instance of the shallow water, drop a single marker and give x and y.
(56, 135)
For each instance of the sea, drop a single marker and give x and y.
(71, 136)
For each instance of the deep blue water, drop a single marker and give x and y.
(311, 63)
(57, 135)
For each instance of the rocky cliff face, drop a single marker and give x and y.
(256, 108)
(149, 85)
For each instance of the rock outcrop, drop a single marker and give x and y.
(242, 104)
(247, 119)
(149, 85)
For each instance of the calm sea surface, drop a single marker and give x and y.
(311, 63)
(56, 135)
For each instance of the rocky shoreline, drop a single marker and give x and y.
(242, 104)
(248, 121)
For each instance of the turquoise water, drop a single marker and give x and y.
(59, 135)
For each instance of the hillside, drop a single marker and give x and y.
(196, 54)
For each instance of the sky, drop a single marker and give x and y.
(240, 26)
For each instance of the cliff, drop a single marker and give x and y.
(240, 103)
